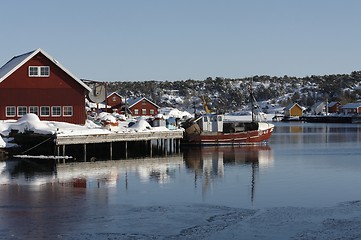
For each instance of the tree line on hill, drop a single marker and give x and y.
(232, 94)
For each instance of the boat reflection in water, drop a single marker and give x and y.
(208, 162)
(200, 167)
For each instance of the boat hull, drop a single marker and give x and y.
(220, 138)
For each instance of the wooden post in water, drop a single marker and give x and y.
(126, 149)
(111, 150)
(150, 148)
(84, 147)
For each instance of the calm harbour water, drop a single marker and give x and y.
(304, 165)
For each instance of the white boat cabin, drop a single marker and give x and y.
(211, 123)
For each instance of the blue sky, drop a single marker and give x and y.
(133, 40)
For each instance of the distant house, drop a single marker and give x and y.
(318, 108)
(334, 107)
(142, 107)
(114, 101)
(35, 82)
(293, 110)
(351, 108)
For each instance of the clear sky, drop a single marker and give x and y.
(119, 40)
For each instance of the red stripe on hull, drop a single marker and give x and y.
(251, 137)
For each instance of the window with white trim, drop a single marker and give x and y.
(22, 110)
(55, 111)
(144, 111)
(136, 111)
(39, 71)
(44, 111)
(151, 111)
(10, 111)
(34, 109)
(67, 111)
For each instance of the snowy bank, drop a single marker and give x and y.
(2, 143)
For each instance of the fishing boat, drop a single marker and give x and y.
(213, 129)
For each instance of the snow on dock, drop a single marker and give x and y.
(64, 134)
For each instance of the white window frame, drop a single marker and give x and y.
(34, 109)
(33, 71)
(20, 111)
(144, 111)
(41, 112)
(13, 110)
(39, 71)
(66, 111)
(136, 111)
(44, 71)
(151, 111)
(56, 111)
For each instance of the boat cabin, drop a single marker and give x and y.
(211, 123)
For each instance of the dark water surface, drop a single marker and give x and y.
(304, 165)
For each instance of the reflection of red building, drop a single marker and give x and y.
(114, 100)
(35, 82)
(142, 107)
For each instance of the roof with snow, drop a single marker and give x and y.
(132, 102)
(291, 105)
(352, 105)
(318, 104)
(16, 62)
(114, 93)
(331, 104)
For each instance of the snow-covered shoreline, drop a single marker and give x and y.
(107, 124)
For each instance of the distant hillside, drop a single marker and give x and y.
(229, 95)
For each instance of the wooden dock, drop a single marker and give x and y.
(117, 137)
(166, 140)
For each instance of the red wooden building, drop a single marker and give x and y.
(35, 82)
(114, 101)
(334, 107)
(142, 107)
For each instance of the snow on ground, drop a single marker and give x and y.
(2, 143)
(174, 112)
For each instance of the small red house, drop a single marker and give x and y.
(114, 101)
(334, 107)
(142, 107)
(35, 82)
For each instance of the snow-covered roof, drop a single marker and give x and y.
(352, 105)
(132, 102)
(114, 93)
(17, 61)
(291, 105)
(331, 104)
(318, 104)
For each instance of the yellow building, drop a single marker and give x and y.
(293, 110)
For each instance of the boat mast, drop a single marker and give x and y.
(251, 99)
